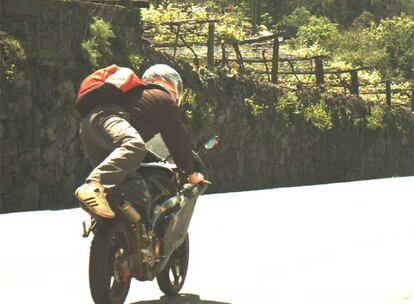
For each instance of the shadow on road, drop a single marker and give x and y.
(180, 299)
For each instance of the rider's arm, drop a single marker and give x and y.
(178, 143)
(176, 138)
(175, 135)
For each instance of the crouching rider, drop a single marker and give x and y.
(121, 112)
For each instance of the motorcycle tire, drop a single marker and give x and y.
(171, 278)
(113, 240)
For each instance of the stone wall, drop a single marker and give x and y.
(262, 146)
(272, 150)
(41, 159)
(267, 148)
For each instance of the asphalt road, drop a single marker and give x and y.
(350, 243)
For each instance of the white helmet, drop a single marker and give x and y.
(166, 77)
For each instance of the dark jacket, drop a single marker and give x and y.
(153, 111)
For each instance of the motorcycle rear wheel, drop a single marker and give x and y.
(171, 278)
(109, 279)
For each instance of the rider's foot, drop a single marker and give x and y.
(92, 196)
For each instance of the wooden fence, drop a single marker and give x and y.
(270, 66)
(270, 60)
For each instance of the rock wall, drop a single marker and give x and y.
(273, 150)
(267, 145)
(41, 158)
(263, 144)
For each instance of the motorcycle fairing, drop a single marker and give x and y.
(170, 224)
(177, 225)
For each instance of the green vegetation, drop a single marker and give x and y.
(312, 108)
(12, 57)
(289, 106)
(377, 35)
(135, 61)
(317, 31)
(342, 12)
(386, 46)
(197, 111)
(318, 115)
(12, 69)
(188, 103)
(395, 38)
(299, 17)
(234, 24)
(375, 119)
(97, 49)
(256, 108)
(104, 48)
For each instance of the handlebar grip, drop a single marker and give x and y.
(188, 187)
(194, 190)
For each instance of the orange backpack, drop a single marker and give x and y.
(105, 85)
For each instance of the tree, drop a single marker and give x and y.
(318, 31)
(291, 23)
(396, 37)
(365, 20)
(256, 7)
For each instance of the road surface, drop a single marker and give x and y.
(350, 243)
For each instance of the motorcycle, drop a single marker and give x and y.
(148, 238)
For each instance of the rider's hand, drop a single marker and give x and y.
(196, 178)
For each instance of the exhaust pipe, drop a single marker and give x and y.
(129, 212)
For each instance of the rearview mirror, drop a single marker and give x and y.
(212, 143)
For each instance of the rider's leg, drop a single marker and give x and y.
(115, 148)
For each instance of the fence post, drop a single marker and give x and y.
(266, 66)
(275, 60)
(210, 45)
(177, 35)
(224, 61)
(239, 57)
(254, 15)
(354, 83)
(388, 92)
(319, 73)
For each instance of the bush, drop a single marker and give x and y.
(395, 37)
(255, 107)
(365, 20)
(97, 49)
(387, 47)
(289, 106)
(375, 118)
(291, 23)
(318, 31)
(12, 55)
(319, 116)
(136, 61)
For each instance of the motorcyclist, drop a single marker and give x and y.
(115, 130)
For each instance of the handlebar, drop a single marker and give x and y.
(200, 167)
(194, 190)
(190, 189)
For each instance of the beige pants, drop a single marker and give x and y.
(113, 147)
